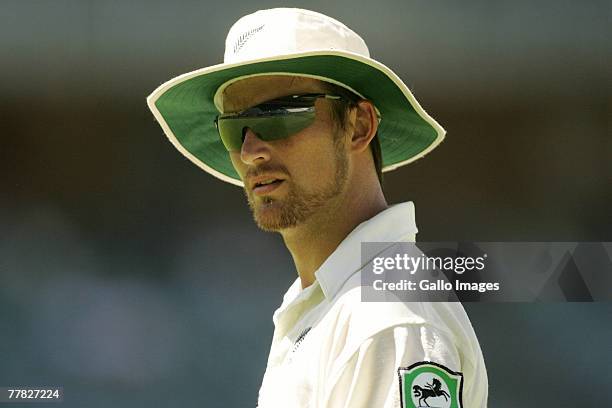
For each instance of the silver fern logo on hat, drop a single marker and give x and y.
(244, 37)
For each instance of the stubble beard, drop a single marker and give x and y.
(298, 206)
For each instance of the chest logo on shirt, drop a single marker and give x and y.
(429, 384)
(300, 339)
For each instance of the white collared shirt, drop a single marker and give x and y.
(331, 350)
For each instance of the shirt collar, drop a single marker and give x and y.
(394, 224)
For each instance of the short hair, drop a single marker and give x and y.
(339, 113)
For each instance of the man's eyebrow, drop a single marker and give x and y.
(276, 98)
(238, 100)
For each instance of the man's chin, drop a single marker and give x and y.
(269, 215)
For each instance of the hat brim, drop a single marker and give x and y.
(185, 108)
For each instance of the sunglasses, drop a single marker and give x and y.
(272, 120)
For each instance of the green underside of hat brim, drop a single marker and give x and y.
(188, 108)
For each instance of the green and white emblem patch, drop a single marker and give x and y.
(429, 384)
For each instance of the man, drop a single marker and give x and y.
(303, 119)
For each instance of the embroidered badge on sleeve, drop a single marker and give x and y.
(429, 384)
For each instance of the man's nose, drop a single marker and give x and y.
(254, 150)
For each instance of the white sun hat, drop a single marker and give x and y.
(289, 41)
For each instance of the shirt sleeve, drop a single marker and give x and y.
(369, 377)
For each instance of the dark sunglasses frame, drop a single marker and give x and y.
(271, 120)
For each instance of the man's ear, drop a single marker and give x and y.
(365, 122)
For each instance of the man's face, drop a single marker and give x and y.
(308, 169)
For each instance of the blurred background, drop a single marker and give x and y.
(133, 279)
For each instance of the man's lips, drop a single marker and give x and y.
(267, 187)
(264, 184)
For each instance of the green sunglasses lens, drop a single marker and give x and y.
(267, 128)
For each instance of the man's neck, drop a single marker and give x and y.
(314, 241)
